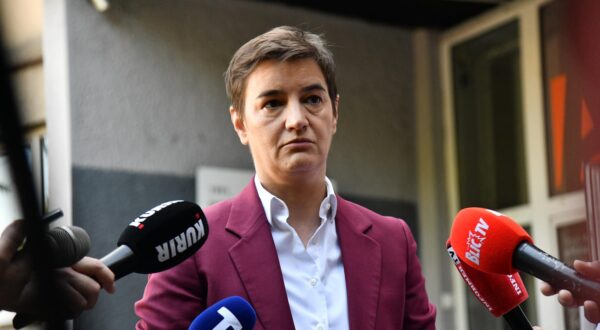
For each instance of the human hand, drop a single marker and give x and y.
(591, 309)
(76, 287)
(15, 267)
(87, 277)
(79, 287)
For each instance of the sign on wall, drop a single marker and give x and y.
(214, 184)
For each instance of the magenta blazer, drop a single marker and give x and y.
(385, 287)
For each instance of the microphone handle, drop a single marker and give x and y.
(540, 264)
(121, 261)
(517, 320)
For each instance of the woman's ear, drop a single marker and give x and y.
(336, 112)
(238, 124)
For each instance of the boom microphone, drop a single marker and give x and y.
(159, 239)
(492, 242)
(500, 294)
(230, 313)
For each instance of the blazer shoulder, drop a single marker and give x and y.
(382, 228)
(354, 209)
(218, 213)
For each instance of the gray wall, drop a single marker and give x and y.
(148, 94)
(148, 106)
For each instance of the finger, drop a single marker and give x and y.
(12, 236)
(71, 302)
(591, 311)
(84, 285)
(588, 269)
(19, 272)
(96, 269)
(66, 301)
(547, 289)
(565, 298)
(60, 300)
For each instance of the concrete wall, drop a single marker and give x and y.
(147, 105)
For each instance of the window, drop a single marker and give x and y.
(571, 101)
(488, 125)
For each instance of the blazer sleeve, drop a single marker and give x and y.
(420, 312)
(172, 299)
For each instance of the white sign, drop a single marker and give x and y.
(214, 184)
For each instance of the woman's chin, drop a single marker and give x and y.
(303, 166)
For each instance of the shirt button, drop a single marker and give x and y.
(328, 206)
(320, 327)
(313, 282)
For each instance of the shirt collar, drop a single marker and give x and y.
(275, 207)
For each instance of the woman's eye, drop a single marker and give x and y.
(314, 100)
(272, 104)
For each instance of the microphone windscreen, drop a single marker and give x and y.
(486, 240)
(230, 313)
(498, 293)
(67, 245)
(165, 235)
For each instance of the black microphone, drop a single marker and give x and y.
(540, 264)
(159, 239)
(492, 242)
(67, 245)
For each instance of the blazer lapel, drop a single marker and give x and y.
(361, 256)
(256, 261)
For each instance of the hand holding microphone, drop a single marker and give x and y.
(76, 278)
(591, 308)
(155, 241)
(491, 242)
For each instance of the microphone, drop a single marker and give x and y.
(500, 294)
(494, 243)
(67, 245)
(230, 313)
(155, 241)
(159, 239)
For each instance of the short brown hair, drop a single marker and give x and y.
(281, 43)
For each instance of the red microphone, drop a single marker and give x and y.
(494, 243)
(486, 239)
(500, 294)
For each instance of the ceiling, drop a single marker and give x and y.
(433, 14)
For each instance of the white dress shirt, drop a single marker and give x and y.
(313, 276)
